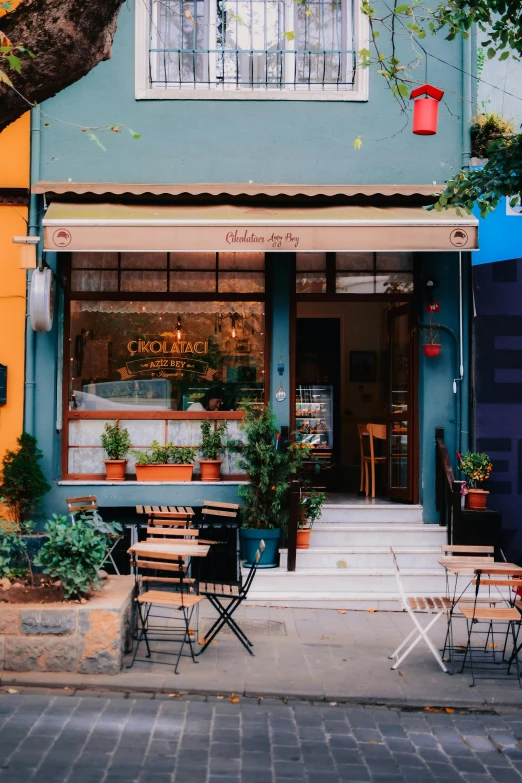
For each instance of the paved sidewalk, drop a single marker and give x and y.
(307, 654)
(53, 739)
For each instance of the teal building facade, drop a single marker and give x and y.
(142, 230)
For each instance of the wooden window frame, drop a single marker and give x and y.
(123, 296)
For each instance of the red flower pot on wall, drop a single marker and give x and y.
(431, 349)
(426, 109)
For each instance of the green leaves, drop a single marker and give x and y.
(357, 144)
(116, 441)
(95, 139)
(73, 554)
(290, 35)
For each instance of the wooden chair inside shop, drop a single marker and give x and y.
(375, 432)
(87, 505)
(174, 594)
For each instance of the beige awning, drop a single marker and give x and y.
(119, 227)
(231, 189)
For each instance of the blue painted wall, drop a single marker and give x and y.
(439, 406)
(500, 236)
(238, 141)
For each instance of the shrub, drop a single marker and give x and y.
(23, 482)
(115, 440)
(311, 505)
(212, 439)
(484, 128)
(13, 555)
(165, 455)
(73, 555)
(476, 467)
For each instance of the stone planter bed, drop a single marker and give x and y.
(89, 638)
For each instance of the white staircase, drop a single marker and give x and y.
(349, 564)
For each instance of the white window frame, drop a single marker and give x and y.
(143, 90)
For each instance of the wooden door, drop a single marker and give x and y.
(401, 417)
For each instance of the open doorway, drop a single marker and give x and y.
(354, 366)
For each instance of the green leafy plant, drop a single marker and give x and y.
(311, 507)
(476, 467)
(73, 554)
(96, 521)
(169, 454)
(116, 441)
(23, 482)
(13, 556)
(212, 439)
(485, 128)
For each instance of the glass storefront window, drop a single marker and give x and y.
(310, 273)
(162, 356)
(241, 273)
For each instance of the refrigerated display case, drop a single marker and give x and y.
(314, 416)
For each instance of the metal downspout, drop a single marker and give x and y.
(468, 71)
(30, 335)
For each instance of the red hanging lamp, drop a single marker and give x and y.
(426, 109)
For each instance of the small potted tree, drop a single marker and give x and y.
(165, 463)
(477, 468)
(115, 440)
(310, 509)
(212, 444)
(22, 489)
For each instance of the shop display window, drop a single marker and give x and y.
(165, 355)
(354, 273)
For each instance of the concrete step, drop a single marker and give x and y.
(375, 513)
(376, 535)
(308, 581)
(363, 557)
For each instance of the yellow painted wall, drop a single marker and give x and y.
(14, 173)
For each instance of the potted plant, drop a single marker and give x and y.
(22, 488)
(433, 346)
(165, 463)
(477, 468)
(212, 444)
(487, 129)
(265, 511)
(310, 509)
(115, 439)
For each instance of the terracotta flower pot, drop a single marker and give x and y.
(431, 349)
(164, 472)
(115, 469)
(303, 537)
(210, 469)
(476, 498)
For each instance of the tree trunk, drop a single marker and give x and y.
(67, 37)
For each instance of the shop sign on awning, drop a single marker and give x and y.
(119, 227)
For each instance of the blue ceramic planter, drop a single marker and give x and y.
(250, 540)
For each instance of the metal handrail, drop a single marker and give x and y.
(448, 492)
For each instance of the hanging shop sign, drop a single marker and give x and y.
(41, 300)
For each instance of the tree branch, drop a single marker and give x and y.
(68, 38)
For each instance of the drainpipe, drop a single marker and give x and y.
(30, 335)
(467, 100)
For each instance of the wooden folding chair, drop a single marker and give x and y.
(226, 599)
(435, 605)
(177, 595)
(476, 614)
(88, 506)
(377, 432)
(363, 431)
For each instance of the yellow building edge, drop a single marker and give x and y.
(14, 173)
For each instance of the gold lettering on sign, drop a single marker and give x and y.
(250, 237)
(162, 346)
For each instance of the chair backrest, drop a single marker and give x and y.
(253, 568)
(170, 533)
(169, 519)
(377, 431)
(465, 554)
(363, 430)
(220, 511)
(76, 505)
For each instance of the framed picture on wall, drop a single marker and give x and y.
(363, 366)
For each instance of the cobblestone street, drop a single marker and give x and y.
(96, 738)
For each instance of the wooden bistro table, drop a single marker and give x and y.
(459, 567)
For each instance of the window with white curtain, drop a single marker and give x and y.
(252, 46)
